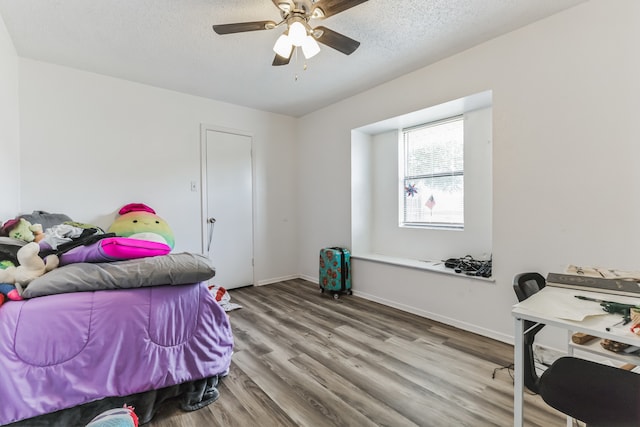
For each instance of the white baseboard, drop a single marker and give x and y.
(547, 355)
(438, 318)
(308, 278)
(277, 279)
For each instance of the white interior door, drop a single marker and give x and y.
(229, 202)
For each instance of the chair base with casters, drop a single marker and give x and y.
(596, 394)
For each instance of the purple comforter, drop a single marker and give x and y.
(60, 351)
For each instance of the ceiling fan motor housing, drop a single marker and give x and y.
(304, 7)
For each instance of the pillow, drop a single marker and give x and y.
(114, 249)
(172, 269)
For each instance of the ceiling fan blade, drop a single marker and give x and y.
(279, 60)
(241, 27)
(332, 7)
(336, 40)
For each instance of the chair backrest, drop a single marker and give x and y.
(525, 285)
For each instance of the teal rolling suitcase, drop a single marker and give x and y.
(335, 271)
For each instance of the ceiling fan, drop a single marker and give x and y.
(296, 15)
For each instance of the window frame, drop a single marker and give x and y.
(403, 177)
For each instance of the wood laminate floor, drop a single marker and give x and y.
(304, 359)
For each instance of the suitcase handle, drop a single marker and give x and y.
(344, 267)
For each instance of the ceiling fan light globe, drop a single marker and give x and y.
(297, 33)
(310, 47)
(283, 46)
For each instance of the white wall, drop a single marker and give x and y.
(361, 192)
(9, 127)
(91, 144)
(566, 96)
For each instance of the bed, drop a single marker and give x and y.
(95, 336)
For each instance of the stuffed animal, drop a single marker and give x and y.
(139, 221)
(7, 290)
(31, 266)
(21, 229)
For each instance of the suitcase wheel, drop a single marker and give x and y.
(349, 292)
(336, 296)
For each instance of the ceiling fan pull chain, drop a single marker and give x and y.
(304, 65)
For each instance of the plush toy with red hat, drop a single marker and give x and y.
(21, 229)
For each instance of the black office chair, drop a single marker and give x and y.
(525, 285)
(596, 394)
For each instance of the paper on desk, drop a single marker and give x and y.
(605, 273)
(565, 306)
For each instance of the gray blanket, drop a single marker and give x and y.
(171, 269)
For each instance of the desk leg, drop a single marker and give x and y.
(518, 373)
(570, 421)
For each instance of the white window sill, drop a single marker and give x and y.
(433, 266)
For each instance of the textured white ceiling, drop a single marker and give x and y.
(170, 43)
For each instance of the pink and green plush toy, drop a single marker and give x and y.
(139, 221)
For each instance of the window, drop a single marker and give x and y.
(433, 174)
(379, 169)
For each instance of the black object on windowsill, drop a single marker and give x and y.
(469, 266)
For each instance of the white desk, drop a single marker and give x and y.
(536, 308)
